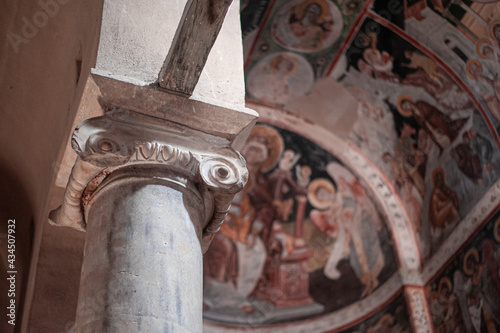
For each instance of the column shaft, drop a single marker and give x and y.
(142, 268)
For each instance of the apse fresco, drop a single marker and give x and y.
(426, 76)
(297, 43)
(393, 318)
(465, 35)
(302, 239)
(421, 128)
(465, 297)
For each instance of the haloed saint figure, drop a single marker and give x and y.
(307, 26)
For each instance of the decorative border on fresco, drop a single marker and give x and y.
(403, 234)
(419, 309)
(348, 316)
(476, 218)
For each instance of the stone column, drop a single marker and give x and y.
(151, 194)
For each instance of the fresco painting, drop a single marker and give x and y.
(302, 239)
(393, 318)
(465, 296)
(419, 127)
(426, 76)
(312, 30)
(466, 38)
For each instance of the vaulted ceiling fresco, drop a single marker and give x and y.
(424, 75)
(303, 229)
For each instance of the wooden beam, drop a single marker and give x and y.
(198, 29)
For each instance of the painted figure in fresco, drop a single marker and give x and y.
(259, 189)
(491, 284)
(405, 184)
(439, 85)
(435, 81)
(474, 270)
(233, 265)
(413, 155)
(281, 244)
(235, 261)
(485, 49)
(371, 120)
(443, 206)
(487, 84)
(420, 61)
(249, 254)
(441, 128)
(375, 63)
(282, 182)
(308, 25)
(418, 161)
(488, 53)
(462, 288)
(412, 200)
(410, 158)
(485, 291)
(452, 316)
(473, 156)
(351, 219)
(279, 77)
(280, 69)
(330, 216)
(476, 71)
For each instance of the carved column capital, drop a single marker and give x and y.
(123, 138)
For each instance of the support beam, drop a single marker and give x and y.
(198, 29)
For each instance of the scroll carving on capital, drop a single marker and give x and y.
(124, 138)
(148, 151)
